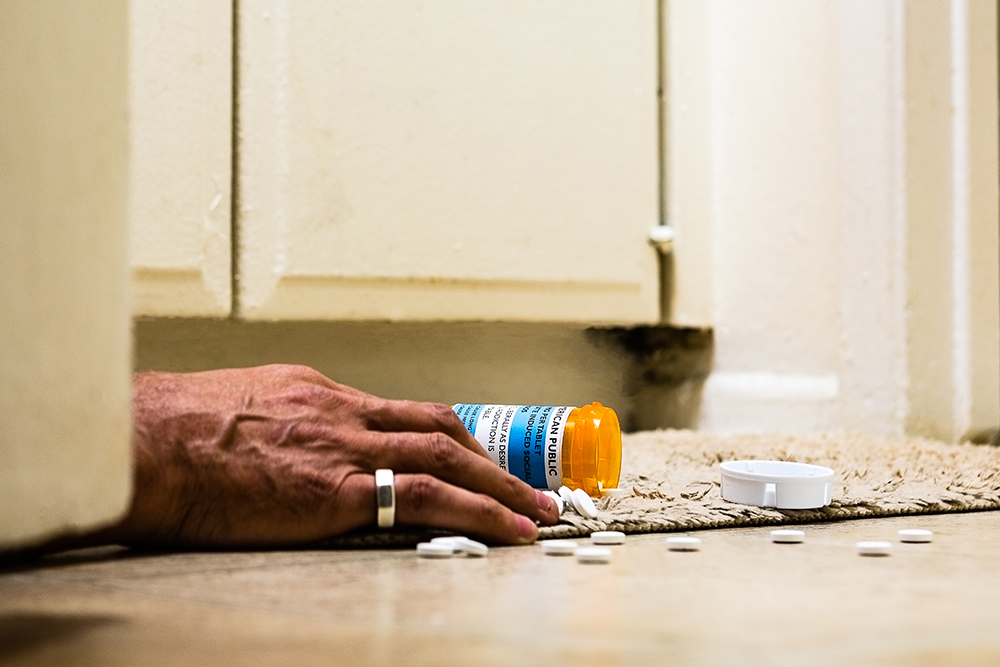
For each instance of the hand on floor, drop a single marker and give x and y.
(281, 455)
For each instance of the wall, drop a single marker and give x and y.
(832, 180)
(64, 345)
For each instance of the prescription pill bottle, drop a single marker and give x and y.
(550, 446)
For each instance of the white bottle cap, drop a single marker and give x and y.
(552, 548)
(593, 555)
(787, 536)
(607, 537)
(583, 504)
(915, 535)
(781, 484)
(435, 550)
(557, 499)
(683, 543)
(874, 548)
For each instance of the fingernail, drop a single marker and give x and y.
(526, 528)
(545, 502)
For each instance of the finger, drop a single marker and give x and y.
(422, 500)
(386, 415)
(442, 457)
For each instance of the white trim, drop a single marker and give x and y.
(764, 385)
(960, 172)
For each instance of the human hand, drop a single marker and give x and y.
(281, 455)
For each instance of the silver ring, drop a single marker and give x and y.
(385, 496)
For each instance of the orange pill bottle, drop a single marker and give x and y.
(550, 446)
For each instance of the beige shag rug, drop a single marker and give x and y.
(674, 481)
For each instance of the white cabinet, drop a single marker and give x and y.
(447, 160)
(180, 118)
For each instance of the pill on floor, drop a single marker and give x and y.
(607, 537)
(873, 548)
(915, 535)
(616, 493)
(683, 543)
(788, 536)
(435, 550)
(566, 494)
(583, 504)
(470, 547)
(445, 539)
(550, 548)
(557, 499)
(593, 555)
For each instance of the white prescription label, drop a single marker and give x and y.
(524, 440)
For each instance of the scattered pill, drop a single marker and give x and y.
(683, 543)
(873, 548)
(557, 499)
(470, 547)
(448, 539)
(915, 535)
(616, 493)
(551, 548)
(787, 536)
(584, 504)
(566, 494)
(607, 537)
(435, 550)
(460, 544)
(593, 555)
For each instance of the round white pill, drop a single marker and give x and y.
(435, 550)
(470, 547)
(683, 543)
(915, 535)
(616, 493)
(557, 499)
(873, 548)
(593, 555)
(787, 536)
(584, 504)
(447, 539)
(607, 537)
(550, 548)
(566, 494)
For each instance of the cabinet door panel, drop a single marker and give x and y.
(181, 157)
(447, 160)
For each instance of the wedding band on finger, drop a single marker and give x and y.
(385, 496)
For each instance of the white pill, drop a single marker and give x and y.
(447, 539)
(556, 498)
(470, 547)
(593, 555)
(435, 550)
(788, 536)
(616, 493)
(566, 494)
(873, 548)
(683, 543)
(607, 537)
(915, 535)
(550, 548)
(584, 504)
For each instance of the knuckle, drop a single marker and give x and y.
(443, 414)
(442, 452)
(422, 492)
(488, 511)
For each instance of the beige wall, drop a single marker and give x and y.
(832, 179)
(64, 328)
